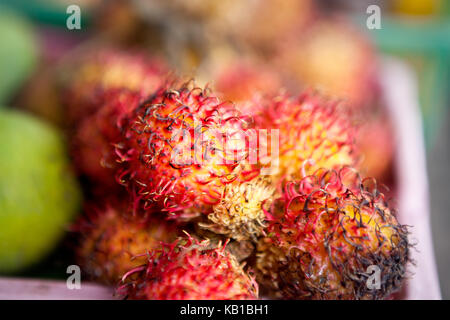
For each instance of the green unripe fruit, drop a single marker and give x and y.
(39, 195)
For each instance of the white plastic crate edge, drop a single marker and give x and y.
(400, 91)
(37, 289)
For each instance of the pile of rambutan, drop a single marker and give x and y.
(196, 197)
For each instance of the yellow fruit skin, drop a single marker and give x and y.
(312, 133)
(240, 214)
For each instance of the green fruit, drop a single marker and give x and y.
(39, 195)
(18, 52)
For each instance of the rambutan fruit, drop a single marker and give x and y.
(327, 235)
(112, 238)
(94, 139)
(303, 134)
(240, 214)
(334, 57)
(180, 148)
(189, 269)
(86, 75)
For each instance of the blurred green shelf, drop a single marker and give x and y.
(425, 45)
(50, 12)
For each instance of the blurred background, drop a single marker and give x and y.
(325, 45)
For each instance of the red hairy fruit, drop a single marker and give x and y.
(335, 58)
(85, 76)
(181, 147)
(94, 140)
(304, 134)
(112, 238)
(327, 235)
(189, 270)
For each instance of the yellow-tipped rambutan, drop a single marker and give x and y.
(240, 214)
(111, 239)
(303, 134)
(189, 270)
(328, 234)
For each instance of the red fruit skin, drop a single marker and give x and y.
(94, 140)
(168, 163)
(313, 132)
(86, 76)
(189, 270)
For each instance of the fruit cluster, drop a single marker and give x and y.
(263, 189)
